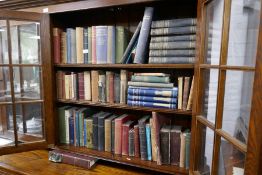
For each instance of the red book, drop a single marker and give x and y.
(57, 45)
(72, 158)
(125, 133)
(81, 88)
(111, 87)
(136, 141)
(118, 131)
(93, 44)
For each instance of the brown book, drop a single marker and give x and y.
(94, 84)
(175, 145)
(81, 88)
(109, 87)
(125, 139)
(59, 84)
(123, 86)
(180, 93)
(108, 133)
(79, 45)
(136, 141)
(63, 85)
(158, 122)
(153, 140)
(57, 45)
(63, 48)
(190, 98)
(93, 44)
(185, 92)
(165, 144)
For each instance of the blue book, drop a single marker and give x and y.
(73, 45)
(85, 134)
(156, 92)
(152, 99)
(85, 45)
(76, 128)
(101, 44)
(151, 104)
(68, 44)
(71, 131)
(148, 142)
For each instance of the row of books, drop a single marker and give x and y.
(151, 138)
(90, 45)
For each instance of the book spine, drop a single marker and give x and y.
(79, 45)
(90, 42)
(123, 86)
(157, 39)
(94, 89)
(151, 104)
(101, 134)
(142, 140)
(171, 60)
(57, 45)
(102, 88)
(85, 133)
(172, 53)
(85, 45)
(145, 84)
(89, 125)
(190, 98)
(107, 86)
(71, 131)
(173, 45)
(165, 147)
(116, 88)
(185, 92)
(118, 137)
(131, 44)
(81, 129)
(120, 42)
(87, 85)
(136, 141)
(153, 140)
(187, 150)
(67, 133)
(180, 93)
(108, 134)
(174, 23)
(111, 87)
(150, 79)
(131, 144)
(152, 99)
(93, 44)
(158, 92)
(63, 48)
(175, 148)
(111, 44)
(148, 142)
(125, 143)
(75, 86)
(81, 88)
(73, 46)
(95, 132)
(113, 136)
(182, 151)
(59, 85)
(143, 39)
(68, 45)
(174, 31)
(101, 44)
(62, 125)
(77, 134)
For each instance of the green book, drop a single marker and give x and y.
(150, 79)
(121, 42)
(89, 45)
(187, 150)
(89, 132)
(62, 124)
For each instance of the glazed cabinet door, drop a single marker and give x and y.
(25, 88)
(229, 73)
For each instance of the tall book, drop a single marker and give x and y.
(94, 89)
(175, 145)
(93, 44)
(62, 124)
(109, 87)
(182, 150)
(87, 85)
(95, 129)
(108, 133)
(85, 45)
(90, 42)
(153, 139)
(190, 98)
(125, 136)
(79, 45)
(143, 39)
(165, 144)
(131, 143)
(180, 93)
(73, 45)
(59, 84)
(81, 86)
(148, 141)
(101, 131)
(123, 86)
(68, 45)
(116, 88)
(142, 136)
(113, 136)
(102, 87)
(185, 92)
(101, 44)
(89, 132)
(57, 45)
(121, 42)
(136, 141)
(187, 148)
(63, 48)
(111, 45)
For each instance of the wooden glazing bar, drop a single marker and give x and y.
(205, 122)
(29, 101)
(225, 67)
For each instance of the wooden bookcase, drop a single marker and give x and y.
(129, 13)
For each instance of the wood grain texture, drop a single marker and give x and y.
(36, 162)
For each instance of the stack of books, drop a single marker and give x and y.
(90, 45)
(152, 90)
(150, 138)
(173, 41)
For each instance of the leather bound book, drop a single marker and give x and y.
(79, 45)
(95, 129)
(175, 144)
(107, 86)
(142, 136)
(81, 88)
(123, 86)
(102, 87)
(153, 140)
(89, 132)
(93, 44)
(101, 131)
(180, 92)
(108, 133)
(90, 42)
(182, 151)
(111, 87)
(131, 143)
(94, 90)
(186, 92)
(87, 85)
(63, 85)
(57, 45)
(190, 98)
(125, 136)
(113, 136)
(165, 144)
(63, 48)
(116, 88)
(59, 84)
(136, 141)
(187, 149)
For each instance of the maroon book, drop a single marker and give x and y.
(136, 141)
(72, 158)
(111, 88)
(81, 88)
(125, 133)
(175, 144)
(57, 45)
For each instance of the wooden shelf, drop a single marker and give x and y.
(133, 161)
(128, 66)
(122, 106)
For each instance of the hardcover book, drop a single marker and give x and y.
(125, 136)
(174, 23)
(165, 144)
(111, 45)
(175, 145)
(148, 141)
(108, 133)
(171, 38)
(57, 45)
(85, 45)
(94, 90)
(180, 92)
(142, 136)
(101, 131)
(150, 79)
(121, 42)
(136, 141)
(93, 44)
(101, 44)
(123, 86)
(79, 45)
(185, 92)
(131, 143)
(155, 92)
(174, 30)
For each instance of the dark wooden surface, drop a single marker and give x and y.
(37, 163)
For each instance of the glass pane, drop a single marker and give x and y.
(30, 122)
(231, 160)
(5, 90)
(27, 83)
(237, 103)
(214, 21)
(3, 43)
(210, 77)
(206, 152)
(25, 40)
(243, 33)
(6, 126)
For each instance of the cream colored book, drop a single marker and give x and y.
(87, 85)
(79, 45)
(153, 140)
(94, 84)
(63, 48)
(123, 86)
(190, 98)
(180, 92)
(67, 86)
(182, 151)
